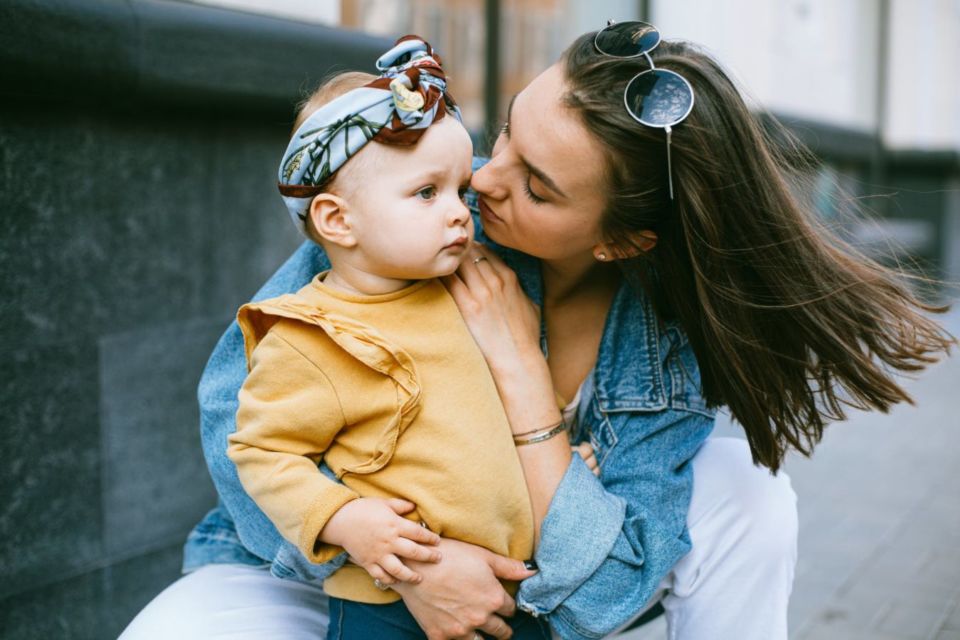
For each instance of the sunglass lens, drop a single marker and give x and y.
(627, 39)
(659, 98)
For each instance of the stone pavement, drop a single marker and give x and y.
(879, 504)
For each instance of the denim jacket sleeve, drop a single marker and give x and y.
(607, 542)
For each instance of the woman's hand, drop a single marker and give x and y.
(461, 594)
(502, 320)
(585, 451)
(506, 327)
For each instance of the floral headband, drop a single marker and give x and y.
(396, 108)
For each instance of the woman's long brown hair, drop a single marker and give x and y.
(789, 324)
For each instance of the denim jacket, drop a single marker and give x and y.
(606, 542)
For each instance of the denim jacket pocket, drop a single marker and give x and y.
(601, 435)
(682, 373)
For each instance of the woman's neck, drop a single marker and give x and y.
(571, 279)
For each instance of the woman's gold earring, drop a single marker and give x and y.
(602, 257)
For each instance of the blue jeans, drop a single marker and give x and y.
(360, 621)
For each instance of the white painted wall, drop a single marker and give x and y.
(809, 58)
(817, 59)
(923, 94)
(318, 11)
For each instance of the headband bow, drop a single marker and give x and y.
(396, 108)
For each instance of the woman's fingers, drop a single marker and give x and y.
(392, 565)
(477, 272)
(585, 451)
(418, 533)
(377, 573)
(496, 626)
(401, 506)
(408, 549)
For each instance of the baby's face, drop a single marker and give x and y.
(406, 209)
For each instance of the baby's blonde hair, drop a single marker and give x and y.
(330, 89)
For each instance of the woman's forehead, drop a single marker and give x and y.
(551, 136)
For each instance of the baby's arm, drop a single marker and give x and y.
(289, 414)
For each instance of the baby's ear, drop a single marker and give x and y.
(328, 215)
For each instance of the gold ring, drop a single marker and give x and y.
(477, 260)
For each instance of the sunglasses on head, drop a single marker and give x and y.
(656, 97)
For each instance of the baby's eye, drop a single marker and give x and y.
(463, 192)
(427, 193)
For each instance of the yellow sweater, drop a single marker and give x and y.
(392, 392)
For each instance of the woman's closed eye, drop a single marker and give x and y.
(534, 198)
(530, 194)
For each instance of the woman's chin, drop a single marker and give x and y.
(495, 233)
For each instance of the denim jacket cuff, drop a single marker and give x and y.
(573, 541)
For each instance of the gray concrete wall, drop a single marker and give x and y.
(139, 210)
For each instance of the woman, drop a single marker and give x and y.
(674, 272)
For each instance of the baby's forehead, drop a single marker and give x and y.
(363, 166)
(444, 148)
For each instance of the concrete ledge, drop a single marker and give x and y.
(137, 54)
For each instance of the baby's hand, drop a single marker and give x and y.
(376, 536)
(586, 452)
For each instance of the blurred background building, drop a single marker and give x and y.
(867, 84)
(138, 148)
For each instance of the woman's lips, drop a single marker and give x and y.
(486, 213)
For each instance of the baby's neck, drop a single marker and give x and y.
(362, 283)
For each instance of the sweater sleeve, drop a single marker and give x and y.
(289, 414)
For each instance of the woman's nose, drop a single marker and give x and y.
(487, 182)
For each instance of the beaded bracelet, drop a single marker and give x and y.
(539, 435)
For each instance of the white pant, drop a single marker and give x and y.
(734, 584)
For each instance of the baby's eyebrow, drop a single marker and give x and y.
(538, 173)
(433, 175)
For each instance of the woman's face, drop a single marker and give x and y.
(544, 190)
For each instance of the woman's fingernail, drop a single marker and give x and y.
(530, 565)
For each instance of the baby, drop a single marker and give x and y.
(370, 368)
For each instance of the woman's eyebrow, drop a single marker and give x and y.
(538, 173)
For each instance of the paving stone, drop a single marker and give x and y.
(826, 631)
(889, 484)
(655, 630)
(953, 620)
(911, 621)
